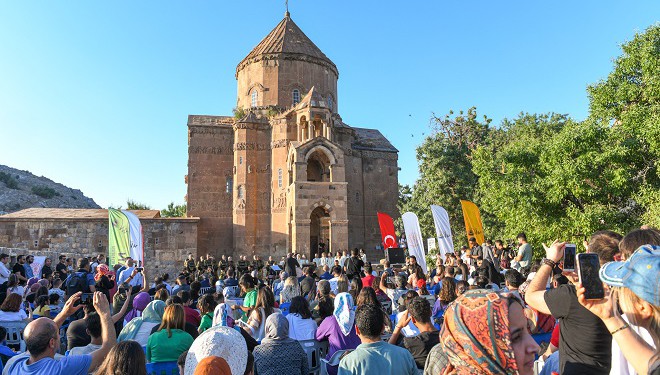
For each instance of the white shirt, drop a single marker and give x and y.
(87, 349)
(12, 316)
(619, 363)
(4, 273)
(125, 274)
(301, 329)
(317, 261)
(342, 261)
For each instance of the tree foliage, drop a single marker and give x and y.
(133, 205)
(173, 210)
(547, 174)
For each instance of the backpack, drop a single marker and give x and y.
(77, 282)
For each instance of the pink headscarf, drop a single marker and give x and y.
(101, 270)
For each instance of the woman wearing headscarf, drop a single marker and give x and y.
(212, 366)
(485, 333)
(140, 302)
(223, 342)
(103, 282)
(139, 329)
(278, 353)
(339, 329)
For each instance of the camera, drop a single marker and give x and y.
(139, 269)
(87, 298)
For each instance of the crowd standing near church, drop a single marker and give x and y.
(478, 311)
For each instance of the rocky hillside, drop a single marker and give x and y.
(21, 189)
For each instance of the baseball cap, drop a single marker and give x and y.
(640, 273)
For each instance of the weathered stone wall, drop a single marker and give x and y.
(166, 241)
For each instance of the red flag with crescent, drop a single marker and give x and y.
(387, 230)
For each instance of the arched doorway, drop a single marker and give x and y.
(318, 167)
(319, 231)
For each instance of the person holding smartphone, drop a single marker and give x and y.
(635, 291)
(585, 343)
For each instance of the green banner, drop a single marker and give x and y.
(118, 236)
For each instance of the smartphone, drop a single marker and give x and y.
(87, 298)
(588, 267)
(569, 257)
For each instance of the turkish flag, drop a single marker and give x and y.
(387, 232)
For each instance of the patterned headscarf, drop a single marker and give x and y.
(344, 312)
(223, 315)
(101, 270)
(476, 336)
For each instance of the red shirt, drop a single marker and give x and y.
(554, 339)
(367, 280)
(192, 316)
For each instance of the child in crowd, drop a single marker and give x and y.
(41, 306)
(54, 303)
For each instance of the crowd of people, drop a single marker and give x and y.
(478, 311)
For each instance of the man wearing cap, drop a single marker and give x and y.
(639, 275)
(585, 343)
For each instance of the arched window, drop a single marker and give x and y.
(255, 97)
(279, 177)
(241, 192)
(331, 103)
(230, 185)
(296, 96)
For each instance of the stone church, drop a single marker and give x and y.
(285, 173)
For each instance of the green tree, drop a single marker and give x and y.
(629, 101)
(173, 210)
(445, 167)
(133, 205)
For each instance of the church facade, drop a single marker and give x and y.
(285, 173)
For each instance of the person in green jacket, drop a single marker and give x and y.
(167, 344)
(206, 306)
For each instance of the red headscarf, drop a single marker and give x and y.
(101, 270)
(476, 336)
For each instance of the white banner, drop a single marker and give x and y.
(414, 238)
(37, 265)
(442, 230)
(136, 245)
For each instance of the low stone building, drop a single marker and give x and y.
(285, 173)
(84, 232)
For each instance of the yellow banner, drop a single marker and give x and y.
(473, 225)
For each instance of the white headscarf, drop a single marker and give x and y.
(344, 312)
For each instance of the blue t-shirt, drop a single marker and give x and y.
(70, 365)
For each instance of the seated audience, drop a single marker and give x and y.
(139, 329)
(140, 302)
(41, 307)
(223, 314)
(206, 306)
(167, 344)
(339, 329)
(265, 306)
(395, 294)
(42, 340)
(446, 296)
(54, 303)
(126, 358)
(324, 304)
(192, 316)
(485, 332)
(279, 353)
(326, 275)
(93, 324)
(301, 324)
(11, 309)
(419, 313)
(408, 330)
(211, 366)
(291, 289)
(5, 351)
(278, 286)
(355, 287)
(374, 356)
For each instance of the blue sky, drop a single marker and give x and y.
(95, 95)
